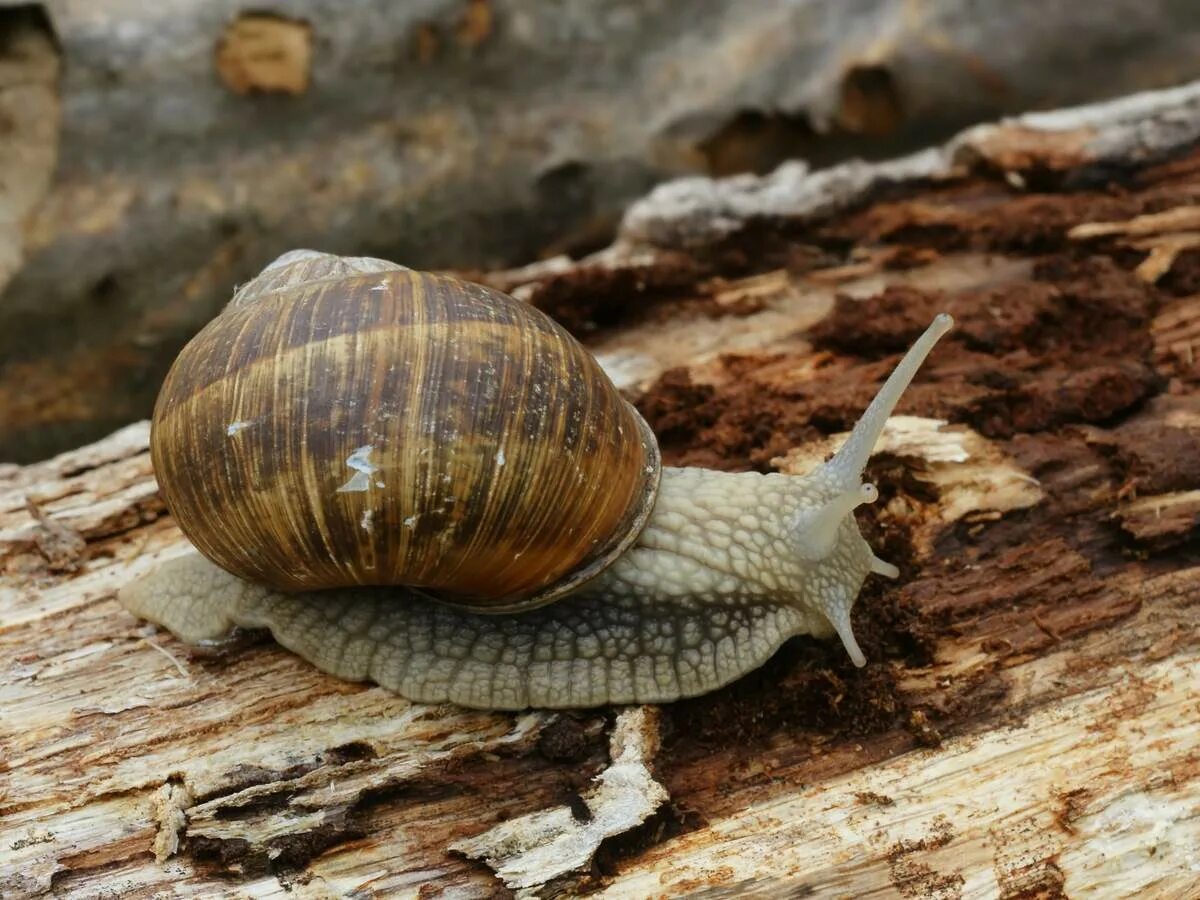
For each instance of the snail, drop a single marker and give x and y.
(425, 483)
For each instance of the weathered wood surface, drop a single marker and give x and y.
(1029, 722)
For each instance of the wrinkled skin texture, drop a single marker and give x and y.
(707, 594)
(728, 568)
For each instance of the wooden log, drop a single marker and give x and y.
(1028, 722)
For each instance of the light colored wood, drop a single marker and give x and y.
(532, 849)
(116, 745)
(1093, 790)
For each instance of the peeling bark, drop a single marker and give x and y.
(534, 849)
(1076, 144)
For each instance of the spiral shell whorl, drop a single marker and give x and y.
(298, 268)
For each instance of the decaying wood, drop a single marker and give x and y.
(1075, 145)
(533, 849)
(1029, 722)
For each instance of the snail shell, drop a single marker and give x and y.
(348, 421)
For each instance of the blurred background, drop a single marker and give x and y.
(155, 154)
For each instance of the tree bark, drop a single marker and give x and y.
(1028, 722)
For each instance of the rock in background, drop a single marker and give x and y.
(153, 155)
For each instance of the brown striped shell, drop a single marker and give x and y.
(351, 422)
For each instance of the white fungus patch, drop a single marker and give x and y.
(360, 462)
(235, 427)
(365, 521)
(500, 457)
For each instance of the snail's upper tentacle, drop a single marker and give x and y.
(848, 463)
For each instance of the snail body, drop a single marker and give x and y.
(569, 569)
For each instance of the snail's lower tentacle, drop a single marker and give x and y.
(586, 650)
(883, 567)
